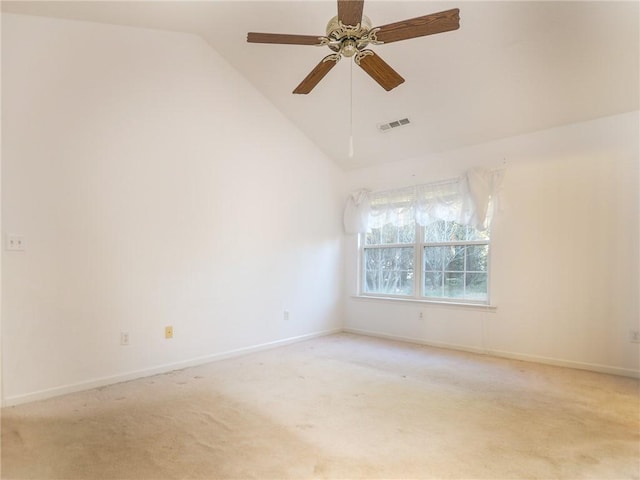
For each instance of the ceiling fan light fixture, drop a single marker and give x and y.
(349, 48)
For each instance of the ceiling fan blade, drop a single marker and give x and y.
(317, 74)
(350, 11)
(420, 26)
(283, 38)
(379, 70)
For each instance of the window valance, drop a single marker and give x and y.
(468, 200)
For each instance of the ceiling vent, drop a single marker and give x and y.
(387, 127)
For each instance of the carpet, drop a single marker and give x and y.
(341, 406)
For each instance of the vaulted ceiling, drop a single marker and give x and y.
(512, 67)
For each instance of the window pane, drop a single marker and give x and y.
(477, 258)
(443, 231)
(389, 270)
(435, 232)
(407, 234)
(449, 258)
(474, 234)
(435, 258)
(390, 234)
(454, 285)
(476, 286)
(456, 258)
(433, 284)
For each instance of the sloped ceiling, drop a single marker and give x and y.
(511, 68)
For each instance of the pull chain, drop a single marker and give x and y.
(351, 111)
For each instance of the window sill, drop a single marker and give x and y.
(443, 303)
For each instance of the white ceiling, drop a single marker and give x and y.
(512, 67)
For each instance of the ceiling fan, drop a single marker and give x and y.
(348, 35)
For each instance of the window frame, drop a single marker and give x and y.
(419, 245)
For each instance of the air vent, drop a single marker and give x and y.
(387, 127)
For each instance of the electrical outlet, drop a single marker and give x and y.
(124, 338)
(285, 315)
(168, 332)
(421, 315)
(634, 336)
(15, 243)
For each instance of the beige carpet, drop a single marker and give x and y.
(341, 406)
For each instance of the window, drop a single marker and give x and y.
(426, 242)
(452, 259)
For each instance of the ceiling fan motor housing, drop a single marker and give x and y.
(348, 40)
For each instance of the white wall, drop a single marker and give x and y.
(154, 186)
(565, 257)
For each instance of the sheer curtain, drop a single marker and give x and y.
(397, 207)
(468, 200)
(356, 212)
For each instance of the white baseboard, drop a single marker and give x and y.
(625, 372)
(399, 338)
(147, 372)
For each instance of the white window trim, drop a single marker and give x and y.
(387, 299)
